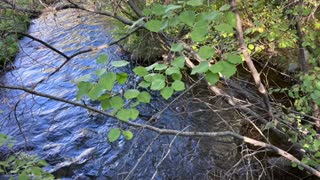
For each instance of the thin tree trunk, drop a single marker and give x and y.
(256, 76)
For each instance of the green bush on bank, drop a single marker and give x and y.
(10, 22)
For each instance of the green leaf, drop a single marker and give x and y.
(107, 81)
(157, 84)
(178, 85)
(104, 96)
(166, 92)
(149, 68)
(134, 113)
(172, 70)
(105, 104)
(233, 58)
(103, 58)
(212, 78)
(206, 52)
(176, 76)
(225, 28)
(36, 171)
(123, 115)
(147, 11)
(127, 134)
(120, 63)
(131, 93)
(199, 34)
(231, 19)
(178, 62)
(42, 163)
(154, 25)
(195, 2)
(160, 67)
(188, 17)
(83, 78)
(95, 92)
(114, 134)
(172, 7)
(140, 71)
(224, 7)
(228, 69)
(144, 97)
(84, 88)
(144, 84)
(158, 9)
(176, 47)
(100, 72)
(201, 68)
(23, 176)
(217, 67)
(117, 102)
(122, 78)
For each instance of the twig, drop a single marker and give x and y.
(142, 156)
(179, 133)
(168, 152)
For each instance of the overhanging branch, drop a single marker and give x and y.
(177, 132)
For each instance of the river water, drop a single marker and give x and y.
(74, 141)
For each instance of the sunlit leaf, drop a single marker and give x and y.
(212, 78)
(176, 47)
(188, 17)
(120, 63)
(172, 7)
(223, 27)
(127, 134)
(123, 115)
(160, 67)
(217, 67)
(144, 97)
(234, 58)
(140, 71)
(178, 85)
(224, 7)
(117, 102)
(114, 134)
(166, 92)
(157, 84)
(107, 81)
(95, 92)
(172, 70)
(154, 25)
(84, 88)
(131, 93)
(195, 2)
(206, 52)
(228, 69)
(122, 78)
(201, 68)
(178, 62)
(103, 58)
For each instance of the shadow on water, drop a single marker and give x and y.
(73, 140)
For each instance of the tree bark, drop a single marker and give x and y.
(243, 47)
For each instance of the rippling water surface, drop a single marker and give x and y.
(73, 140)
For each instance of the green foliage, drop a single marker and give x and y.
(22, 165)
(11, 21)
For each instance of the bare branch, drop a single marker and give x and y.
(177, 132)
(256, 76)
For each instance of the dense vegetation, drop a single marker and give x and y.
(209, 40)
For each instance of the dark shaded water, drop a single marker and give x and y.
(74, 141)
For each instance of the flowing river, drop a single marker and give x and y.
(74, 141)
